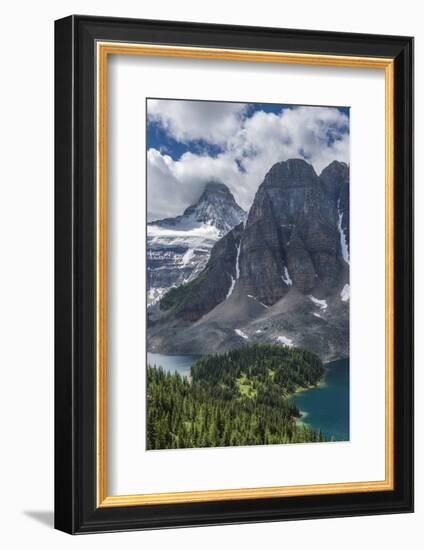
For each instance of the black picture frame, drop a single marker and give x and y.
(76, 510)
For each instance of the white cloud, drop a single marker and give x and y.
(186, 121)
(175, 184)
(250, 146)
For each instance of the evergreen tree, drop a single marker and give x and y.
(236, 398)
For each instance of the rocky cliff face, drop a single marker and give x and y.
(179, 248)
(335, 179)
(291, 237)
(281, 277)
(192, 300)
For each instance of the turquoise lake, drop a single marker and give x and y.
(327, 407)
(324, 408)
(172, 363)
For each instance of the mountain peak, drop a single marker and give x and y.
(216, 186)
(179, 247)
(216, 206)
(336, 167)
(296, 167)
(334, 177)
(216, 190)
(290, 173)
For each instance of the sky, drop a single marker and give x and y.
(192, 142)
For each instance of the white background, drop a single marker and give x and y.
(26, 286)
(131, 79)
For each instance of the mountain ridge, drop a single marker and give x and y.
(179, 248)
(285, 277)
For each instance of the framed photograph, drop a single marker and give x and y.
(234, 269)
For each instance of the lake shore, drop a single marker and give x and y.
(325, 407)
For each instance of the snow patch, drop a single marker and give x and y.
(200, 235)
(241, 333)
(230, 290)
(319, 303)
(154, 295)
(345, 293)
(256, 300)
(259, 331)
(286, 341)
(237, 262)
(317, 315)
(188, 256)
(233, 281)
(286, 277)
(343, 240)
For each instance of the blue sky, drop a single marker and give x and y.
(159, 138)
(190, 142)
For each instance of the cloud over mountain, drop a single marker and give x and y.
(235, 143)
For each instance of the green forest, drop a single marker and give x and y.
(235, 398)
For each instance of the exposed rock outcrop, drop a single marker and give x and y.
(283, 276)
(179, 248)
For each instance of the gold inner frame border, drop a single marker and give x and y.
(103, 50)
